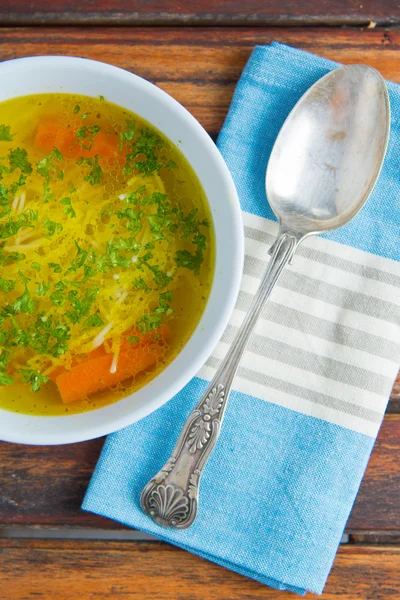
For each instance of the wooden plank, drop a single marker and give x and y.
(198, 66)
(371, 539)
(377, 506)
(91, 570)
(200, 12)
(45, 486)
(394, 404)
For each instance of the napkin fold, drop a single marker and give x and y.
(313, 385)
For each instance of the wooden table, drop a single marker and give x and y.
(196, 52)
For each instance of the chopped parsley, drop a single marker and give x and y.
(11, 227)
(17, 184)
(153, 320)
(7, 285)
(47, 194)
(24, 303)
(95, 171)
(171, 164)
(18, 159)
(143, 157)
(52, 227)
(58, 297)
(5, 134)
(140, 284)
(189, 260)
(87, 133)
(128, 134)
(42, 289)
(81, 304)
(94, 321)
(56, 267)
(79, 261)
(35, 378)
(46, 168)
(132, 219)
(68, 210)
(5, 379)
(9, 257)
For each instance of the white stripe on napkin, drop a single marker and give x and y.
(328, 343)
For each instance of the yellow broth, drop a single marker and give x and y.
(105, 231)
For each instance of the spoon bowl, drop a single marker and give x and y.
(328, 154)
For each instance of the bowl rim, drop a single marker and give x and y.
(236, 251)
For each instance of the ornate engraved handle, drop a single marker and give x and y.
(171, 497)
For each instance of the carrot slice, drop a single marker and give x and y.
(97, 353)
(104, 144)
(52, 133)
(57, 371)
(93, 374)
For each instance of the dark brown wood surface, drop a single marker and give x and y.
(72, 570)
(42, 487)
(200, 12)
(200, 66)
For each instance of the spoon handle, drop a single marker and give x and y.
(171, 497)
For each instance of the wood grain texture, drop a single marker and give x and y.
(200, 12)
(155, 571)
(377, 507)
(45, 486)
(394, 404)
(200, 66)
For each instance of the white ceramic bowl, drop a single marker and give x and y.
(76, 75)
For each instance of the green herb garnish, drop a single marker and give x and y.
(5, 134)
(94, 321)
(95, 171)
(89, 133)
(68, 210)
(24, 303)
(7, 285)
(128, 134)
(153, 320)
(81, 305)
(18, 159)
(56, 267)
(52, 227)
(17, 184)
(11, 227)
(184, 258)
(45, 167)
(42, 289)
(35, 378)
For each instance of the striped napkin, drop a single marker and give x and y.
(313, 385)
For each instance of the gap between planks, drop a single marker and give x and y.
(117, 18)
(89, 20)
(82, 533)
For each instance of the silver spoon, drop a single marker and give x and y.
(323, 166)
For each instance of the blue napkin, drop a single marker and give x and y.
(313, 385)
